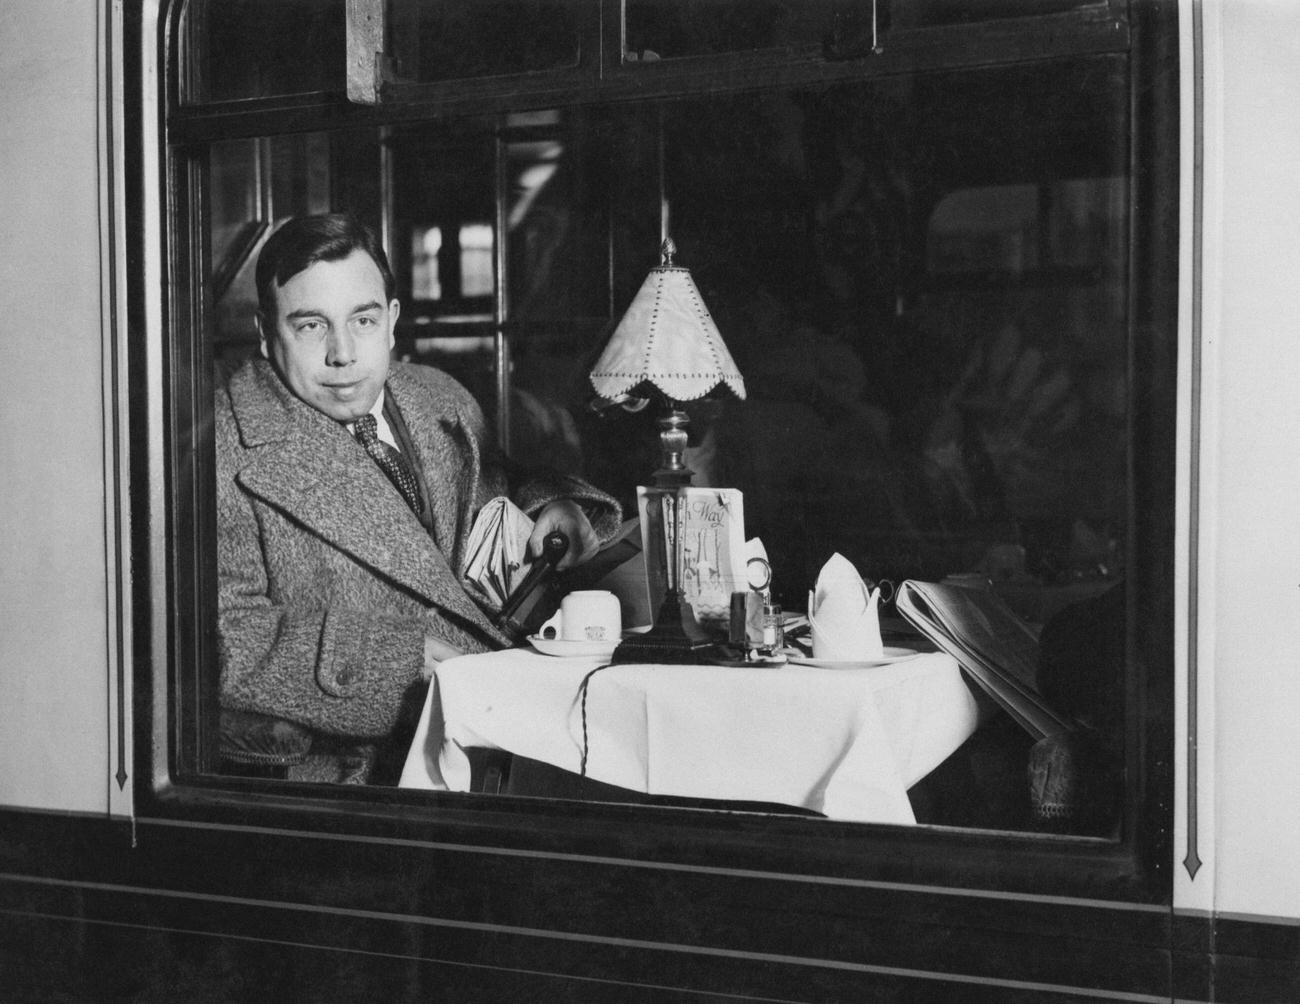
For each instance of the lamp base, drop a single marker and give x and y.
(675, 639)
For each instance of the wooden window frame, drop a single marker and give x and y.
(173, 784)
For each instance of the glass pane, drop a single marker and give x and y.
(444, 249)
(935, 13)
(476, 262)
(444, 211)
(461, 39)
(558, 194)
(568, 201)
(255, 49)
(923, 281)
(666, 29)
(426, 279)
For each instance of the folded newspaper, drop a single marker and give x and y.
(497, 549)
(993, 645)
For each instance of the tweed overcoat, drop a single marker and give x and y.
(327, 582)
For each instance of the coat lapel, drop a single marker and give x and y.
(449, 457)
(306, 464)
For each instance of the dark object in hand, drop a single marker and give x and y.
(521, 607)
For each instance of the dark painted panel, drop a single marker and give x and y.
(161, 953)
(1260, 938)
(1252, 980)
(73, 962)
(588, 919)
(1192, 944)
(1256, 960)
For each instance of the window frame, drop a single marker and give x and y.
(176, 634)
(1105, 27)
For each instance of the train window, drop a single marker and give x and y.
(933, 308)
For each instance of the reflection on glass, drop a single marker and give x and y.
(426, 242)
(583, 218)
(935, 13)
(668, 29)
(254, 49)
(444, 194)
(476, 269)
(465, 39)
(238, 194)
(253, 184)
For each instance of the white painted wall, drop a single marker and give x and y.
(1252, 332)
(53, 662)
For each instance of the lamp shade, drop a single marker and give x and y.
(668, 339)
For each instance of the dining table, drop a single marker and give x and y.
(845, 740)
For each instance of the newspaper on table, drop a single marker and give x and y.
(497, 549)
(990, 642)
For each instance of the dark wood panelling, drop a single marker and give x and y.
(1256, 960)
(85, 916)
(630, 921)
(1191, 956)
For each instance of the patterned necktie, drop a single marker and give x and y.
(390, 461)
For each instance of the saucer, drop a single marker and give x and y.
(565, 648)
(891, 655)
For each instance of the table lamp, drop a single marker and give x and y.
(668, 349)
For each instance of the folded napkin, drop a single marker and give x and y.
(843, 615)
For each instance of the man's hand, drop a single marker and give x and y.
(435, 651)
(566, 516)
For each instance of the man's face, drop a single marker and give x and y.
(332, 334)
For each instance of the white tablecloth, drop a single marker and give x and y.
(846, 742)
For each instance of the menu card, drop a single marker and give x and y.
(711, 522)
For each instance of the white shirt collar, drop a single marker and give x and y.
(381, 423)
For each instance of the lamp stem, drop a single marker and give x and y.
(672, 440)
(676, 635)
(672, 511)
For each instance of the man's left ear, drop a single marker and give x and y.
(394, 311)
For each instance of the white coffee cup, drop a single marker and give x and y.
(586, 615)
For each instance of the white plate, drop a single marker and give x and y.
(891, 655)
(568, 649)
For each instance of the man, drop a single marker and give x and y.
(340, 580)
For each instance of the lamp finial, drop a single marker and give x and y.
(666, 251)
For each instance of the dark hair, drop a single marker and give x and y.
(305, 240)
